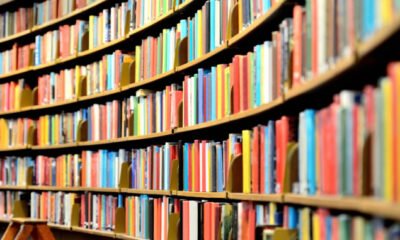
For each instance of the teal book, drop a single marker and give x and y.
(311, 151)
(212, 25)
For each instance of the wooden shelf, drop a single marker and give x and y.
(364, 48)
(9, 187)
(207, 195)
(52, 188)
(312, 84)
(94, 232)
(15, 36)
(59, 227)
(98, 189)
(364, 205)
(256, 197)
(56, 146)
(14, 149)
(4, 220)
(148, 81)
(146, 191)
(16, 73)
(98, 95)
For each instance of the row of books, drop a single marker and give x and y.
(98, 211)
(60, 171)
(13, 170)
(13, 22)
(356, 141)
(16, 58)
(48, 10)
(10, 93)
(55, 207)
(15, 132)
(7, 200)
(24, 18)
(323, 224)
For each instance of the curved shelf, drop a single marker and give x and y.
(54, 22)
(146, 191)
(11, 187)
(364, 205)
(127, 237)
(208, 195)
(59, 227)
(93, 232)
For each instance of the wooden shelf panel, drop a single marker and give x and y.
(52, 188)
(56, 146)
(14, 149)
(8, 187)
(59, 227)
(4, 220)
(207, 195)
(127, 237)
(256, 197)
(148, 81)
(146, 191)
(342, 66)
(94, 232)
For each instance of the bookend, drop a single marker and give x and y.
(131, 125)
(29, 176)
(26, 98)
(82, 131)
(75, 214)
(292, 167)
(127, 73)
(84, 41)
(32, 133)
(174, 178)
(366, 166)
(235, 177)
(20, 209)
(35, 97)
(233, 22)
(124, 176)
(120, 220)
(181, 52)
(82, 87)
(174, 228)
(284, 234)
(180, 115)
(127, 22)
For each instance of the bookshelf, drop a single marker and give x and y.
(286, 102)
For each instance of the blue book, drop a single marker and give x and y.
(328, 229)
(1, 63)
(186, 167)
(190, 40)
(311, 158)
(213, 93)
(166, 167)
(133, 175)
(368, 18)
(293, 218)
(266, 5)
(220, 169)
(53, 170)
(120, 201)
(212, 25)
(200, 115)
(257, 86)
(184, 30)
(37, 50)
(271, 156)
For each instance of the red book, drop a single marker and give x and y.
(279, 162)
(297, 44)
(168, 107)
(243, 83)
(190, 185)
(197, 165)
(262, 160)
(255, 160)
(186, 221)
(252, 222)
(314, 35)
(236, 84)
(185, 101)
(203, 165)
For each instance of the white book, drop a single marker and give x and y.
(218, 23)
(201, 166)
(268, 74)
(193, 220)
(207, 167)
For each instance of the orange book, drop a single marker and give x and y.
(185, 221)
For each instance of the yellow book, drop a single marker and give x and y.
(240, 14)
(91, 29)
(359, 228)
(316, 229)
(388, 163)
(4, 133)
(227, 92)
(219, 92)
(199, 33)
(17, 97)
(78, 86)
(305, 224)
(101, 29)
(397, 133)
(137, 64)
(46, 127)
(386, 11)
(272, 213)
(246, 135)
